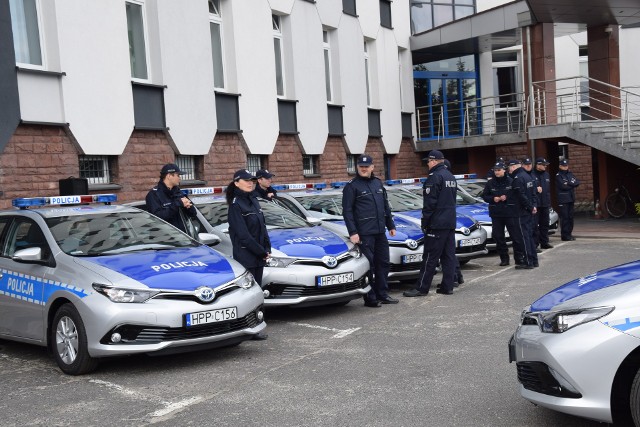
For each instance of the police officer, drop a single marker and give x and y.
(541, 221)
(566, 184)
(458, 279)
(525, 255)
(166, 201)
(527, 165)
(247, 229)
(366, 213)
(438, 224)
(263, 188)
(490, 174)
(499, 193)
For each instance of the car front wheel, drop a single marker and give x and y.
(69, 342)
(634, 399)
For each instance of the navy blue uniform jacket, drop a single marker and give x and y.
(523, 185)
(259, 192)
(566, 184)
(166, 204)
(544, 181)
(365, 207)
(497, 187)
(439, 200)
(247, 230)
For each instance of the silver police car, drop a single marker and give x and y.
(310, 265)
(405, 248)
(93, 280)
(577, 348)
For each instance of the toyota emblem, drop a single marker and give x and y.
(411, 244)
(330, 261)
(205, 294)
(465, 231)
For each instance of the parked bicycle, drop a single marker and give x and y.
(619, 202)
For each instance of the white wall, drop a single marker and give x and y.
(629, 58)
(187, 71)
(94, 52)
(389, 93)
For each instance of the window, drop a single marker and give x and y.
(277, 47)
(137, 44)
(351, 163)
(25, 25)
(217, 46)
(254, 162)
(583, 64)
(95, 169)
(327, 64)
(366, 72)
(349, 7)
(385, 13)
(310, 165)
(505, 78)
(427, 14)
(187, 164)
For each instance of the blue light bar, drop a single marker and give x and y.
(339, 184)
(197, 191)
(393, 181)
(27, 202)
(301, 186)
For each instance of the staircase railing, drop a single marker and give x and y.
(583, 99)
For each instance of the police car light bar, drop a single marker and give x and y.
(24, 203)
(404, 181)
(338, 184)
(301, 186)
(466, 176)
(203, 191)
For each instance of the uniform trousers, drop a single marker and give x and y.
(565, 211)
(541, 226)
(524, 228)
(375, 247)
(438, 245)
(498, 234)
(257, 274)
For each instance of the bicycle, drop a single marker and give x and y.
(619, 202)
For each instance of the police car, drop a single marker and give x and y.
(309, 265)
(405, 248)
(97, 280)
(407, 211)
(577, 348)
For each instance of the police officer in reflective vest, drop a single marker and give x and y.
(438, 224)
(566, 184)
(367, 213)
(541, 223)
(526, 256)
(499, 193)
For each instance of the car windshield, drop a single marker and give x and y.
(465, 199)
(403, 201)
(274, 216)
(475, 188)
(114, 233)
(328, 204)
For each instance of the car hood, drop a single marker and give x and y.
(405, 229)
(183, 269)
(462, 220)
(312, 242)
(584, 285)
(479, 211)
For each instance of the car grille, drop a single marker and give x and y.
(286, 290)
(341, 259)
(412, 266)
(535, 376)
(134, 334)
(470, 249)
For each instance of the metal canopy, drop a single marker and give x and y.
(589, 12)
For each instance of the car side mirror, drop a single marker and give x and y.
(208, 239)
(314, 221)
(28, 256)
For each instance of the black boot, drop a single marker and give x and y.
(504, 262)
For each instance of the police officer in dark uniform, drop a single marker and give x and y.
(438, 224)
(490, 173)
(366, 213)
(264, 189)
(166, 201)
(566, 184)
(527, 165)
(526, 256)
(541, 221)
(499, 193)
(458, 279)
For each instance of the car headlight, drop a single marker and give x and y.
(246, 281)
(561, 321)
(124, 295)
(280, 262)
(355, 251)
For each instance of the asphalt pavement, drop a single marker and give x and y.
(430, 361)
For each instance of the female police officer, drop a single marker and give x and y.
(247, 229)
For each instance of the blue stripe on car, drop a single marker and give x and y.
(35, 290)
(314, 242)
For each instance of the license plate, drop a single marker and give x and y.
(470, 242)
(211, 316)
(407, 259)
(334, 279)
